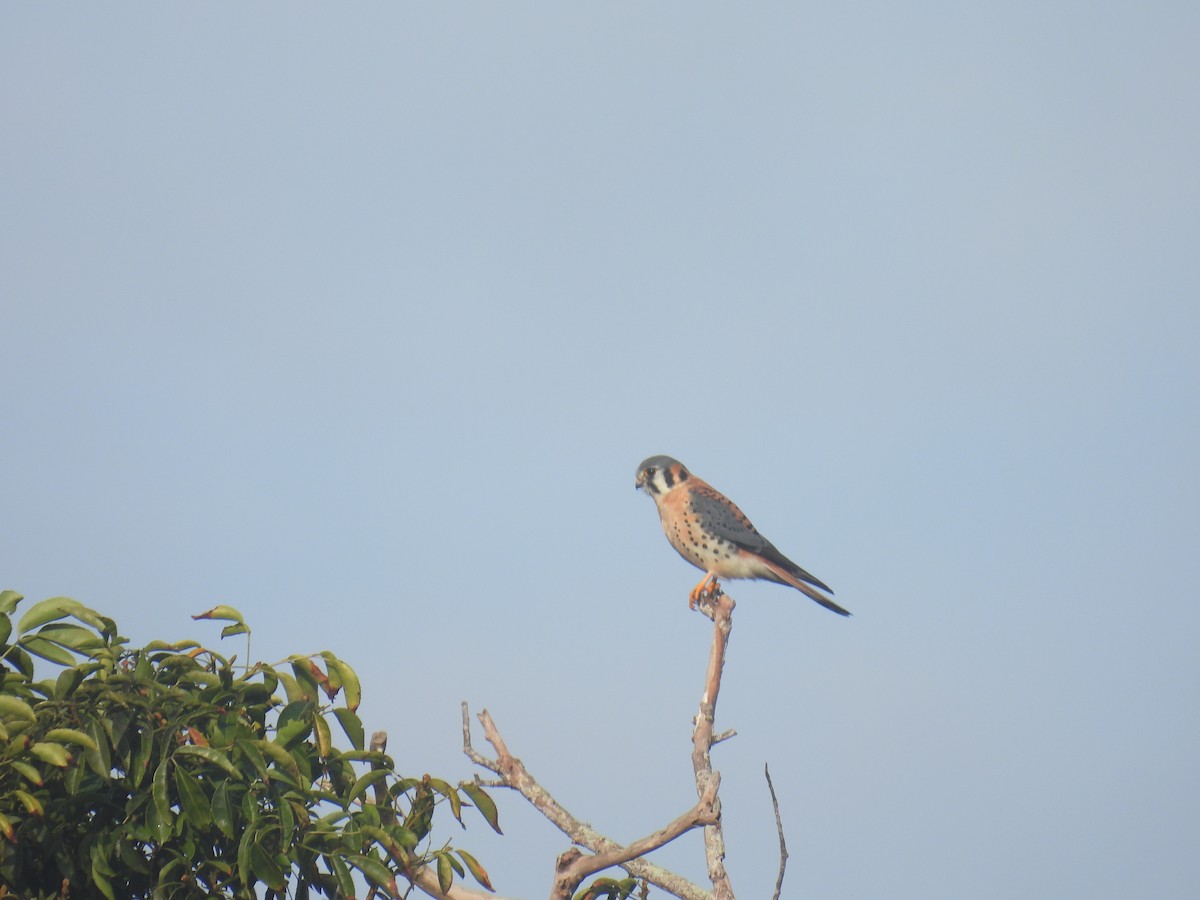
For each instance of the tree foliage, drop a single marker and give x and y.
(169, 771)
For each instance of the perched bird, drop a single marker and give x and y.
(711, 533)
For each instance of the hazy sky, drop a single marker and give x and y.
(360, 318)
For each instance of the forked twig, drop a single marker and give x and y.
(513, 774)
(573, 866)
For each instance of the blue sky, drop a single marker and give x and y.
(360, 320)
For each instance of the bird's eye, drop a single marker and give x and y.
(650, 470)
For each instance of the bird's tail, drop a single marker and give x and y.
(791, 578)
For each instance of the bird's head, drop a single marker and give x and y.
(659, 475)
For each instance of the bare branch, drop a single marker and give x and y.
(783, 854)
(472, 754)
(572, 869)
(719, 608)
(573, 865)
(513, 774)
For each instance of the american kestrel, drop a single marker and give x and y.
(711, 533)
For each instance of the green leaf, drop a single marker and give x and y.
(306, 683)
(287, 824)
(208, 754)
(9, 601)
(173, 646)
(31, 803)
(292, 688)
(5, 628)
(139, 757)
(224, 613)
(280, 757)
(73, 780)
(131, 857)
(28, 772)
(162, 801)
(353, 727)
(39, 646)
(254, 757)
(70, 736)
(101, 880)
(375, 871)
(6, 825)
(193, 802)
(265, 869)
(20, 661)
(73, 637)
(222, 812)
(294, 723)
(47, 611)
(55, 754)
(451, 795)
(102, 624)
(251, 811)
(200, 678)
(99, 760)
(144, 670)
(323, 737)
(341, 872)
(485, 804)
(247, 843)
(403, 836)
(260, 691)
(342, 677)
(478, 872)
(395, 840)
(68, 681)
(173, 871)
(11, 707)
(351, 687)
(364, 782)
(444, 872)
(99, 852)
(368, 814)
(231, 630)
(44, 689)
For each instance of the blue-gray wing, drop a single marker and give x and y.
(721, 517)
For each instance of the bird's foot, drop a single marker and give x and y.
(707, 589)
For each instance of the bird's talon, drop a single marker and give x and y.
(706, 590)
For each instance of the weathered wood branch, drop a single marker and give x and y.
(719, 608)
(513, 774)
(573, 866)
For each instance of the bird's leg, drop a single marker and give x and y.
(708, 587)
